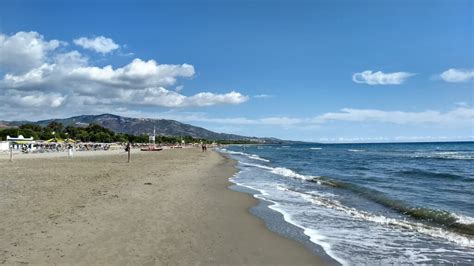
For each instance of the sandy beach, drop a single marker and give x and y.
(169, 207)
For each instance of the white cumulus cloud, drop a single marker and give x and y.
(24, 50)
(208, 98)
(457, 75)
(379, 78)
(58, 80)
(159, 96)
(98, 44)
(136, 74)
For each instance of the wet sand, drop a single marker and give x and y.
(168, 207)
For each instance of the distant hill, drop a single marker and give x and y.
(137, 126)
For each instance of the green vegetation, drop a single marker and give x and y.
(94, 133)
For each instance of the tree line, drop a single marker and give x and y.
(91, 133)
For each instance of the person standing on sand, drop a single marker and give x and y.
(127, 149)
(69, 150)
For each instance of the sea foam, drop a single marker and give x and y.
(415, 226)
(447, 155)
(314, 236)
(251, 156)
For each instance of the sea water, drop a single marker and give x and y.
(370, 203)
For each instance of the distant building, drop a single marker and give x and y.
(19, 138)
(15, 142)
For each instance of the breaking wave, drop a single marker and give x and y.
(439, 218)
(251, 156)
(380, 219)
(445, 155)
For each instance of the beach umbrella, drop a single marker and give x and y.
(56, 140)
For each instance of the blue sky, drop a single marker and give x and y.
(286, 69)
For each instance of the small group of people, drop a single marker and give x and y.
(135, 145)
(92, 146)
(59, 147)
(38, 147)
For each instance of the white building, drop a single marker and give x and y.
(16, 143)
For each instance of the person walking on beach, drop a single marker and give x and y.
(69, 150)
(127, 149)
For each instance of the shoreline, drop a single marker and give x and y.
(169, 207)
(277, 222)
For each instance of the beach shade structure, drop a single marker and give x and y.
(68, 140)
(20, 140)
(55, 140)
